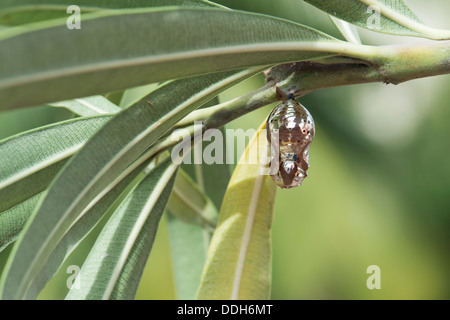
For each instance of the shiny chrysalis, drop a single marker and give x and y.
(290, 132)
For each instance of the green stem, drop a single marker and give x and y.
(392, 64)
(388, 64)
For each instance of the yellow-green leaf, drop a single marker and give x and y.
(239, 260)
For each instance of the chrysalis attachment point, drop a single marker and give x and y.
(290, 132)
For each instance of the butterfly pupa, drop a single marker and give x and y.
(290, 132)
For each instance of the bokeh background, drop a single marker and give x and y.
(378, 190)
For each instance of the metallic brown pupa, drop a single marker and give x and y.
(290, 132)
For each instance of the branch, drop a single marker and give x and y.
(391, 64)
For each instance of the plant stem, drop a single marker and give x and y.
(392, 64)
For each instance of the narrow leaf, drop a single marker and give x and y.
(191, 219)
(190, 204)
(115, 146)
(13, 220)
(177, 42)
(189, 242)
(133, 95)
(88, 106)
(238, 264)
(115, 264)
(188, 247)
(387, 16)
(348, 30)
(212, 178)
(30, 160)
(90, 217)
(16, 12)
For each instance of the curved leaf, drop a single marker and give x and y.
(191, 220)
(115, 264)
(188, 247)
(15, 12)
(88, 106)
(30, 160)
(238, 264)
(13, 220)
(348, 30)
(387, 16)
(189, 242)
(120, 142)
(133, 95)
(91, 215)
(212, 178)
(195, 41)
(190, 204)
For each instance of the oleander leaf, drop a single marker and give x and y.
(13, 220)
(133, 95)
(190, 204)
(188, 247)
(238, 264)
(386, 16)
(74, 63)
(116, 262)
(110, 151)
(348, 30)
(88, 106)
(191, 219)
(30, 160)
(189, 242)
(17, 12)
(90, 217)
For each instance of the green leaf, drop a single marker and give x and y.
(28, 163)
(190, 204)
(30, 160)
(177, 42)
(386, 16)
(348, 30)
(115, 146)
(189, 242)
(212, 179)
(13, 220)
(238, 265)
(89, 106)
(16, 12)
(188, 247)
(115, 264)
(191, 219)
(91, 215)
(133, 95)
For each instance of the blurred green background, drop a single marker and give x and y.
(378, 190)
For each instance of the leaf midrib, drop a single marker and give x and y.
(42, 165)
(327, 46)
(137, 228)
(113, 160)
(246, 237)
